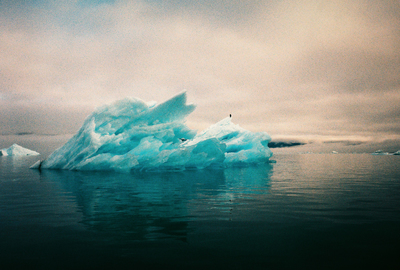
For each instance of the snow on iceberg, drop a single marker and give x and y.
(17, 150)
(131, 134)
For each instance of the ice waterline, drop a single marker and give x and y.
(131, 134)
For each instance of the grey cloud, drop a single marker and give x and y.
(44, 119)
(351, 71)
(285, 67)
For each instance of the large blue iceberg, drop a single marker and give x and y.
(131, 134)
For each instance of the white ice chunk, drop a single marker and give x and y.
(131, 134)
(16, 150)
(36, 165)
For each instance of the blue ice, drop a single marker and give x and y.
(131, 134)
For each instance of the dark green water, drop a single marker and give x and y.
(307, 211)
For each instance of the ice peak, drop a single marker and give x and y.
(17, 150)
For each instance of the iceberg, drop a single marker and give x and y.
(130, 135)
(17, 150)
(380, 153)
(397, 153)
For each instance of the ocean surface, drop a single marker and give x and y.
(306, 211)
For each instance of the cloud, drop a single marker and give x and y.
(285, 67)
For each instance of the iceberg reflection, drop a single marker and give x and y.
(159, 205)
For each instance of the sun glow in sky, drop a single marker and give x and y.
(290, 68)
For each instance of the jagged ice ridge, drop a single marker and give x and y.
(131, 134)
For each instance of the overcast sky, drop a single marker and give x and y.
(318, 68)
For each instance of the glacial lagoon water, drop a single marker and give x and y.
(306, 211)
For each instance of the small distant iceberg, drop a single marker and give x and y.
(380, 153)
(16, 150)
(130, 135)
(335, 152)
(397, 153)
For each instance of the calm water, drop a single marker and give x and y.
(306, 211)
